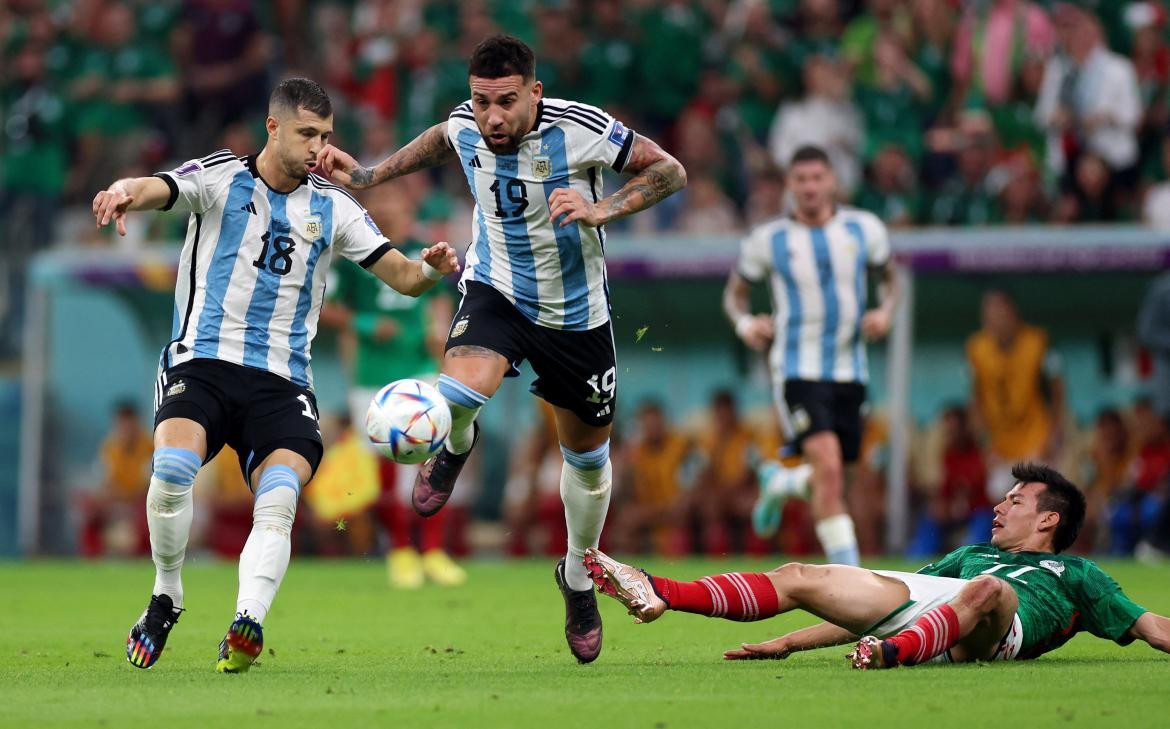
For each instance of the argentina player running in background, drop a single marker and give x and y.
(251, 279)
(816, 260)
(535, 284)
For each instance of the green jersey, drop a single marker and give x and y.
(1059, 595)
(377, 362)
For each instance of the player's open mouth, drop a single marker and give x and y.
(996, 524)
(498, 138)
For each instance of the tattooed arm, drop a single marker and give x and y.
(429, 149)
(656, 176)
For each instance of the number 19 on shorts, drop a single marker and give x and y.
(604, 386)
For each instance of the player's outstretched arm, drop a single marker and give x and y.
(415, 277)
(429, 149)
(756, 330)
(1153, 629)
(132, 193)
(822, 635)
(656, 176)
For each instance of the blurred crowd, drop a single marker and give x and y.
(685, 483)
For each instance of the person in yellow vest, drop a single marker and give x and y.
(112, 517)
(1017, 395)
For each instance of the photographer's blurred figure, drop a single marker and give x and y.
(113, 520)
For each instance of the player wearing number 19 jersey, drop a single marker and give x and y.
(534, 286)
(236, 371)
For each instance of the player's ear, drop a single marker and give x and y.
(537, 91)
(271, 123)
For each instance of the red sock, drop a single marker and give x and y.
(742, 596)
(430, 530)
(935, 632)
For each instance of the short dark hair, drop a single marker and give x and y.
(500, 56)
(1059, 495)
(810, 153)
(301, 93)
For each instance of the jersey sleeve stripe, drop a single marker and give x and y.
(174, 188)
(624, 155)
(583, 111)
(465, 106)
(222, 160)
(457, 115)
(216, 155)
(322, 184)
(570, 116)
(376, 255)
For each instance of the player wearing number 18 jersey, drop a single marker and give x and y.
(534, 286)
(1014, 598)
(236, 371)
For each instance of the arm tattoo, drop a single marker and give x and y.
(646, 188)
(428, 149)
(363, 176)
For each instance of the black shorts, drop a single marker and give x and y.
(812, 406)
(253, 411)
(574, 370)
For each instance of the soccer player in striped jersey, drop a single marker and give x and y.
(1014, 598)
(534, 284)
(816, 260)
(251, 279)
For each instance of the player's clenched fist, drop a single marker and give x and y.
(572, 206)
(442, 258)
(112, 204)
(756, 331)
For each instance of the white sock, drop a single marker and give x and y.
(838, 539)
(266, 553)
(585, 491)
(464, 403)
(169, 509)
(788, 482)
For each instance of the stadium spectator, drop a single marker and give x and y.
(826, 117)
(888, 19)
(890, 190)
(113, 520)
(968, 197)
(758, 67)
(893, 98)
(1017, 397)
(766, 199)
(222, 54)
(721, 501)
(1150, 54)
(1106, 472)
(993, 43)
(707, 210)
(647, 515)
(1089, 101)
(1021, 200)
(960, 510)
(1135, 511)
(1156, 208)
(533, 512)
(1153, 330)
(609, 54)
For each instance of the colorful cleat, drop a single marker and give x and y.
(441, 569)
(436, 479)
(768, 510)
(404, 568)
(630, 586)
(241, 646)
(582, 621)
(148, 637)
(872, 653)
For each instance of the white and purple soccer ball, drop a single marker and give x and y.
(408, 421)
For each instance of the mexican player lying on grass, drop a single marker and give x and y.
(1016, 597)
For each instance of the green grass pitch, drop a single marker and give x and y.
(343, 649)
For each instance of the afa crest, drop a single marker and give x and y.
(459, 328)
(541, 166)
(313, 227)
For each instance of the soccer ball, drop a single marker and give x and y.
(408, 421)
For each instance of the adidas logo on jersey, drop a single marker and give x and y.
(475, 162)
(250, 207)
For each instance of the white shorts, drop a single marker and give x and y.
(928, 592)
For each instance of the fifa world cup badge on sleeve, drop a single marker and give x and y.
(618, 135)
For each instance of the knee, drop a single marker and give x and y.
(985, 593)
(589, 459)
(467, 395)
(790, 571)
(276, 498)
(174, 470)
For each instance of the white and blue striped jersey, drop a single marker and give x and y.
(555, 276)
(819, 289)
(252, 270)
